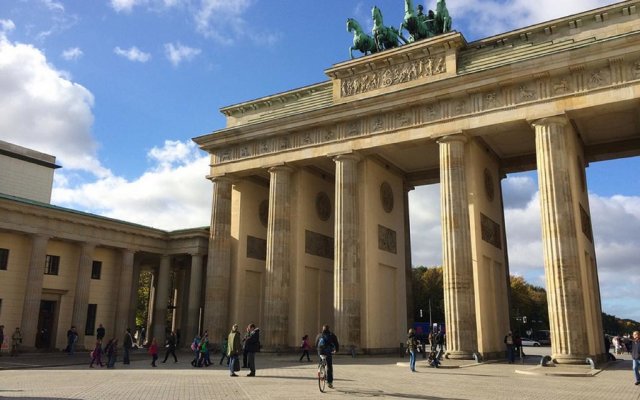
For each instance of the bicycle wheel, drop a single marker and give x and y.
(322, 377)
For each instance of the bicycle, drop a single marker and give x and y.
(322, 372)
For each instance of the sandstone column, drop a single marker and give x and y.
(33, 292)
(81, 300)
(124, 304)
(195, 296)
(276, 307)
(460, 318)
(346, 298)
(216, 304)
(559, 239)
(407, 255)
(135, 286)
(161, 300)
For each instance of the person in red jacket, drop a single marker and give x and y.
(153, 350)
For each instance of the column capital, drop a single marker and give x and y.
(407, 187)
(280, 168)
(346, 156)
(455, 137)
(561, 120)
(220, 179)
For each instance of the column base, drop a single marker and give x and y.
(576, 359)
(459, 355)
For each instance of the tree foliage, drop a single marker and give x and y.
(526, 300)
(142, 305)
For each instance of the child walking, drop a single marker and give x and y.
(153, 350)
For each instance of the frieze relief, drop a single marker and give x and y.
(394, 75)
(387, 239)
(540, 88)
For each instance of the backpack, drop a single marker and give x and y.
(324, 344)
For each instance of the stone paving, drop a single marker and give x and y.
(57, 376)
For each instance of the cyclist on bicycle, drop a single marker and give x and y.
(327, 344)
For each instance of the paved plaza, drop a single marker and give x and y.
(56, 376)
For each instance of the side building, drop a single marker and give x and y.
(61, 267)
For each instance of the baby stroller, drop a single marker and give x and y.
(433, 360)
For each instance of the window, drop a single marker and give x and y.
(90, 328)
(51, 265)
(4, 259)
(96, 268)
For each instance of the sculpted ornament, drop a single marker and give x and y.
(401, 73)
(561, 87)
(636, 69)
(386, 197)
(526, 93)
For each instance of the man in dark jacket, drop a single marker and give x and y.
(171, 347)
(327, 344)
(635, 355)
(127, 344)
(252, 346)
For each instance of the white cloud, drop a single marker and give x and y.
(125, 5)
(172, 194)
(6, 26)
(41, 108)
(72, 53)
(133, 54)
(488, 17)
(176, 53)
(616, 227)
(53, 5)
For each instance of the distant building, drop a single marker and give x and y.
(61, 267)
(26, 173)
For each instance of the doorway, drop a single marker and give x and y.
(46, 320)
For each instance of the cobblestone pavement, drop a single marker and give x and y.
(58, 376)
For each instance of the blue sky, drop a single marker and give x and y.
(117, 88)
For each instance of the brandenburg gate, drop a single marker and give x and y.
(309, 221)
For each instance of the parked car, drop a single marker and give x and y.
(529, 342)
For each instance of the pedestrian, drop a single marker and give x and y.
(153, 350)
(100, 332)
(204, 351)
(244, 347)
(127, 345)
(508, 341)
(635, 355)
(195, 347)
(411, 349)
(72, 339)
(143, 335)
(171, 347)
(252, 346)
(223, 346)
(112, 352)
(327, 344)
(1, 338)
(16, 341)
(305, 346)
(96, 354)
(234, 348)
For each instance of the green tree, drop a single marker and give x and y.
(428, 288)
(142, 304)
